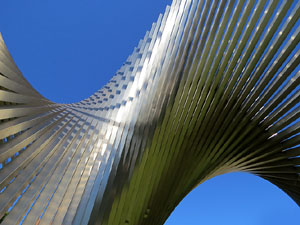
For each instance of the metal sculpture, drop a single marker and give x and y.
(212, 88)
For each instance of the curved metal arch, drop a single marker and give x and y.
(212, 88)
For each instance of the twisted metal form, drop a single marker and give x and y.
(212, 88)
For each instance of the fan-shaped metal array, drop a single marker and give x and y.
(212, 88)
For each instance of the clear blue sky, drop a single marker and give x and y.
(69, 49)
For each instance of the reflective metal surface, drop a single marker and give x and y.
(212, 88)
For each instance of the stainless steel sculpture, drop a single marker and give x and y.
(212, 88)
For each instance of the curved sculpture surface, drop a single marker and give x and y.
(212, 88)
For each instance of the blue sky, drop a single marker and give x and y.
(69, 49)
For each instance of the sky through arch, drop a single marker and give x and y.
(235, 199)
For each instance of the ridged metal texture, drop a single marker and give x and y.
(212, 88)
